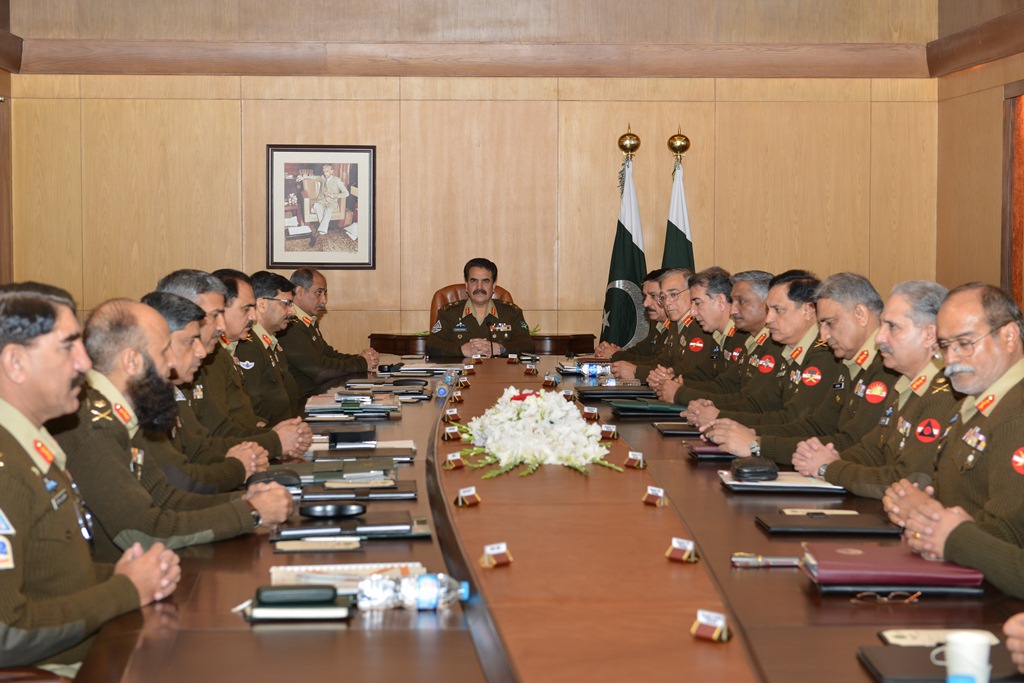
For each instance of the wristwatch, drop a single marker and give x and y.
(257, 518)
(755, 447)
(821, 471)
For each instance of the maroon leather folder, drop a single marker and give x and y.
(872, 564)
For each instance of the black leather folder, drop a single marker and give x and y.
(895, 664)
(863, 524)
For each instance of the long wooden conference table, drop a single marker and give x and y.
(589, 595)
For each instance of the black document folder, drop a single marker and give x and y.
(817, 524)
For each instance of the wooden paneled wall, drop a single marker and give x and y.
(970, 180)
(119, 179)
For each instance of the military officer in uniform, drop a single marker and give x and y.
(314, 363)
(979, 475)
(650, 346)
(268, 382)
(53, 597)
(480, 325)
(916, 412)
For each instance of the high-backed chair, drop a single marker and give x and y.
(457, 292)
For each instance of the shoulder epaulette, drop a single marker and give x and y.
(451, 305)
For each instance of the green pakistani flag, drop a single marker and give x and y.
(624, 322)
(678, 241)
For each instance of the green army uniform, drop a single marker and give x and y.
(201, 446)
(266, 379)
(456, 324)
(750, 367)
(692, 353)
(53, 597)
(646, 349)
(857, 403)
(128, 495)
(221, 404)
(905, 439)
(1000, 561)
(981, 461)
(800, 386)
(313, 363)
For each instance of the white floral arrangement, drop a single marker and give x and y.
(534, 428)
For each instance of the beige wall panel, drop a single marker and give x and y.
(792, 90)
(904, 89)
(641, 21)
(479, 179)
(581, 322)
(982, 77)
(318, 88)
(161, 87)
(903, 179)
(800, 21)
(413, 321)
(970, 154)
(44, 18)
(160, 191)
(522, 21)
(48, 87)
(479, 88)
(546, 321)
(791, 186)
(320, 20)
(957, 15)
(172, 20)
(324, 123)
(588, 198)
(46, 146)
(349, 331)
(637, 89)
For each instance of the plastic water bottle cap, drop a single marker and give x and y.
(464, 592)
(442, 391)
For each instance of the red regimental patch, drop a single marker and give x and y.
(811, 376)
(1018, 460)
(766, 364)
(876, 392)
(928, 430)
(696, 344)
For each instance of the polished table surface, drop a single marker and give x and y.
(589, 595)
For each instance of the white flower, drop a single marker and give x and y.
(536, 428)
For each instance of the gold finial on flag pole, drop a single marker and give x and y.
(629, 143)
(678, 144)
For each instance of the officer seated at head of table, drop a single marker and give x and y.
(53, 597)
(972, 512)
(479, 325)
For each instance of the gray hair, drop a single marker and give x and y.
(848, 290)
(191, 283)
(924, 297)
(669, 272)
(999, 307)
(715, 280)
(758, 280)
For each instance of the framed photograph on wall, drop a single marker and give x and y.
(321, 206)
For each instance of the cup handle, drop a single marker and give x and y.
(936, 653)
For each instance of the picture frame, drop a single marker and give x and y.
(308, 185)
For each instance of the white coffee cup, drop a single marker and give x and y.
(966, 654)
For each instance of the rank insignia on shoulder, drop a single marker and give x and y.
(436, 328)
(247, 364)
(6, 553)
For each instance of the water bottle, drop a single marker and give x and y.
(423, 592)
(444, 387)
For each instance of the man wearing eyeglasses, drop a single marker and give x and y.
(978, 483)
(53, 597)
(268, 382)
(650, 346)
(223, 406)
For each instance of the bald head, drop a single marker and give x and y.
(121, 325)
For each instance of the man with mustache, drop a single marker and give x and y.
(314, 364)
(199, 443)
(268, 382)
(224, 407)
(798, 387)
(749, 367)
(848, 309)
(128, 492)
(917, 410)
(480, 325)
(978, 484)
(219, 472)
(650, 346)
(53, 597)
